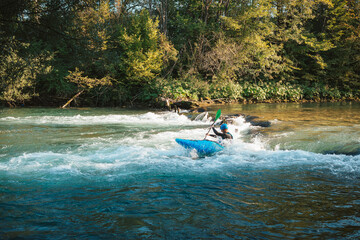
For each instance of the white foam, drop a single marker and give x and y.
(125, 161)
(156, 151)
(162, 118)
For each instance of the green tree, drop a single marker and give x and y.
(342, 28)
(142, 53)
(85, 83)
(20, 66)
(251, 53)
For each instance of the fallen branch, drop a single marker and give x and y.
(68, 102)
(85, 83)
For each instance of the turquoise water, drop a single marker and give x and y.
(115, 173)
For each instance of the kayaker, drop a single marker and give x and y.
(224, 134)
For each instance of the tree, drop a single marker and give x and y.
(143, 51)
(342, 28)
(85, 83)
(20, 66)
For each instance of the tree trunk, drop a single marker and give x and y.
(206, 13)
(163, 11)
(11, 105)
(78, 94)
(150, 7)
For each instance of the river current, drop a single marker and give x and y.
(102, 173)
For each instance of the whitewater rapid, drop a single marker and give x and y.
(118, 145)
(119, 174)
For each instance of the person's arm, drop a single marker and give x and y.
(212, 135)
(218, 133)
(223, 135)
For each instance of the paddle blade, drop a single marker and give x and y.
(217, 115)
(216, 118)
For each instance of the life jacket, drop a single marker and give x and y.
(232, 137)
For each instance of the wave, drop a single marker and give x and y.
(163, 118)
(126, 162)
(340, 140)
(151, 150)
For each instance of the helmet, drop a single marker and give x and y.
(224, 126)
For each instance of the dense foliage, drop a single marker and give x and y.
(126, 51)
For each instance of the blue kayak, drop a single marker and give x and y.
(202, 146)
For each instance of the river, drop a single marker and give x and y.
(108, 173)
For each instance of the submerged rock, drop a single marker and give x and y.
(350, 149)
(201, 109)
(261, 123)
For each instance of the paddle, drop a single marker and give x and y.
(216, 118)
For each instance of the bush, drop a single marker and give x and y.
(20, 66)
(228, 89)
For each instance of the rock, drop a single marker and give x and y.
(260, 123)
(249, 118)
(201, 109)
(186, 104)
(234, 115)
(339, 152)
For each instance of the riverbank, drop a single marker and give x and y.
(176, 105)
(201, 105)
(190, 95)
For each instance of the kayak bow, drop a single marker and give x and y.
(202, 146)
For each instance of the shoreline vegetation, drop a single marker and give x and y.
(168, 54)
